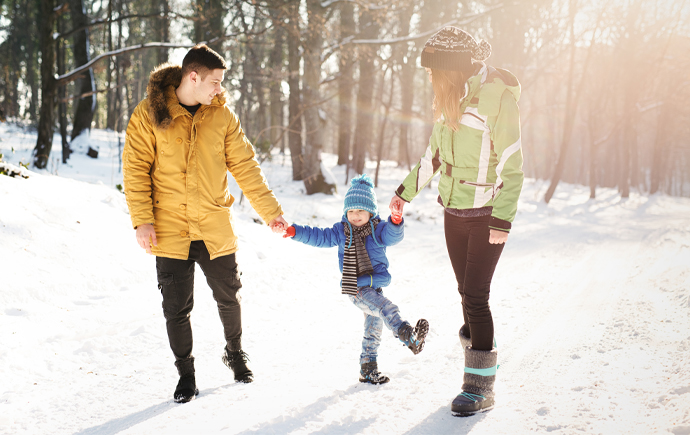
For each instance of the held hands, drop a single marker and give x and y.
(145, 236)
(396, 207)
(278, 225)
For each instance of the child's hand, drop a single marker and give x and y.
(396, 217)
(290, 232)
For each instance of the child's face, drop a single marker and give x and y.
(358, 217)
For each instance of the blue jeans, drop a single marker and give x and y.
(377, 310)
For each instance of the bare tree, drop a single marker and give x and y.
(44, 143)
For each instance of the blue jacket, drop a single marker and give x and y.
(386, 234)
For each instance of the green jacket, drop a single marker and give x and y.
(481, 162)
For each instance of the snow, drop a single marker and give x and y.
(591, 303)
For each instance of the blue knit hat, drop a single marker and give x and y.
(361, 195)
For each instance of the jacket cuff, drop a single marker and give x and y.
(399, 193)
(137, 222)
(499, 224)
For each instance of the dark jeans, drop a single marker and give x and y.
(176, 283)
(474, 260)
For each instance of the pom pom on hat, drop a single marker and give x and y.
(361, 195)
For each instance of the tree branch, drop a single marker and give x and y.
(72, 75)
(123, 17)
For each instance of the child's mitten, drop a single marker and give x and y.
(396, 218)
(290, 232)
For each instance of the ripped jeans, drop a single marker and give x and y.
(378, 310)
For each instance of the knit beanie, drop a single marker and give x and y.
(361, 195)
(453, 49)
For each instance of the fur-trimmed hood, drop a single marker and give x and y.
(162, 100)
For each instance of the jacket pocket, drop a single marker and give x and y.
(226, 200)
(162, 200)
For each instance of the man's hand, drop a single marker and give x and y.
(278, 225)
(497, 237)
(396, 205)
(145, 236)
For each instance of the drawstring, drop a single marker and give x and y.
(352, 233)
(373, 234)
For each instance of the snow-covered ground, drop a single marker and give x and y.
(591, 302)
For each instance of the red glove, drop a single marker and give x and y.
(290, 232)
(396, 218)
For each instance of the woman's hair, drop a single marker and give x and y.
(449, 89)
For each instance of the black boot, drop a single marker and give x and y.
(370, 373)
(186, 387)
(237, 361)
(414, 338)
(478, 386)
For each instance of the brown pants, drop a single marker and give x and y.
(176, 283)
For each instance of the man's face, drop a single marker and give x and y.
(208, 87)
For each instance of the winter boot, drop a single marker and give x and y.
(370, 373)
(478, 387)
(186, 387)
(464, 334)
(237, 361)
(414, 338)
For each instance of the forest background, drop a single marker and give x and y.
(605, 83)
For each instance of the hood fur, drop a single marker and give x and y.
(160, 94)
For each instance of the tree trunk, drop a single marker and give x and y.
(408, 66)
(276, 76)
(295, 115)
(210, 22)
(660, 149)
(61, 91)
(44, 142)
(345, 83)
(368, 29)
(382, 124)
(314, 116)
(86, 106)
(162, 28)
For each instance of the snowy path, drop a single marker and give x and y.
(591, 303)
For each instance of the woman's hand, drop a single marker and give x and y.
(497, 237)
(397, 205)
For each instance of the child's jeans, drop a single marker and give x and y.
(377, 310)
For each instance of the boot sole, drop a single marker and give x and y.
(186, 399)
(367, 381)
(420, 332)
(472, 412)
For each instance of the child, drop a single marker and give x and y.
(361, 238)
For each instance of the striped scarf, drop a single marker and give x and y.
(356, 260)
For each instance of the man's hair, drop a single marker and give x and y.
(202, 60)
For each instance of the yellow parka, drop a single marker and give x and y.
(175, 170)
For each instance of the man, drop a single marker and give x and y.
(181, 141)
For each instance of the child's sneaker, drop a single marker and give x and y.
(370, 373)
(414, 338)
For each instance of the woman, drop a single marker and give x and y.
(475, 145)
